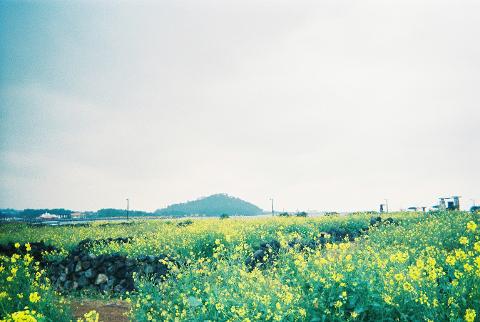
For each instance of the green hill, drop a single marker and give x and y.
(214, 205)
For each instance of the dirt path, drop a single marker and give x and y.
(111, 311)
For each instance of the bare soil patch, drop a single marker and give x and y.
(111, 311)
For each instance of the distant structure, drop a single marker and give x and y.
(48, 216)
(77, 215)
(449, 203)
(384, 207)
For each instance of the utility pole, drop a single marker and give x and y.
(386, 204)
(128, 206)
(273, 212)
(473, 202)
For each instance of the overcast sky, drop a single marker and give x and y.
(328, 105)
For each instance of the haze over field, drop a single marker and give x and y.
(331, 105)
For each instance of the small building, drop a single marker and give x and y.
(449, 203)
(48, 216)
(77, 215)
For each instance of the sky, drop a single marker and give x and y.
(326, 105)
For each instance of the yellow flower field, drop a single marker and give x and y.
(418, 267)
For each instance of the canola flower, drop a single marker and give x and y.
(25, 315)
(34, 297)
(91, 316)
(471, 226)
(25, 291)
(463, 240)
(425, 267)
(470, 315)
(392, 272)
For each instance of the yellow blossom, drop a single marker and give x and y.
(34, 297)
(467, 267)
(470, 315)
(387, 299)
(407, 287)
(471, 226)
(451, 260)
(476, 246)
(399, 277)
(414, 273)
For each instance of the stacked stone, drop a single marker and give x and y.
(105, 273)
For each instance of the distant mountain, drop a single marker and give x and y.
(214, 205)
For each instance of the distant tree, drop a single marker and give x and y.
(301, 214)
(224, 216)
(284, 214)
(6, 213)
(61, 212)
(111, 212)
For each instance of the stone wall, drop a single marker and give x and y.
(105, 273)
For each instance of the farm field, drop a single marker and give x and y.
(398, 267)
